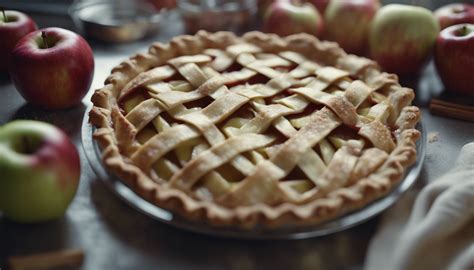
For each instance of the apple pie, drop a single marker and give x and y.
(255, 130)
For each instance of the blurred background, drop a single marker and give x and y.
(119, 21)
(61, 6)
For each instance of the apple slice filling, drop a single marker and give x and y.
(194, 117)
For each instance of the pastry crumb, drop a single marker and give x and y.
(433, 137)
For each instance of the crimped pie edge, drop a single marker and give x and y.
(104, 115)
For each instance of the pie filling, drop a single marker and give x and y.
(239, 126)
(255, 129)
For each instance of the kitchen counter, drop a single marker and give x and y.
(115, 236)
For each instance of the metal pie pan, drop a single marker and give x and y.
(343, 222)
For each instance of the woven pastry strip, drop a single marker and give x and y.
(251, 129)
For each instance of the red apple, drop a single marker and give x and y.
(52, 68)
(291, 17)
(455, 14)
(402, 38)
(39, 169)
(348, 23)
(161, 4)
(321, 5)
(454, 58)
(262, 6)
(13, 26)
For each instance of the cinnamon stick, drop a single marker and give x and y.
(453, 110)
(62, 258)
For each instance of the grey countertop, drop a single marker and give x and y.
(115, 236)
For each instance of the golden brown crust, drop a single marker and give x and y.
(113, 134)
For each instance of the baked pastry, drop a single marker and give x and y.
(255, 130)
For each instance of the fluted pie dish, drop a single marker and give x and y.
(255, 130)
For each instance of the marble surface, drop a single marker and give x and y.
(114, 236)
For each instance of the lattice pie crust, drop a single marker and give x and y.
(255, 130)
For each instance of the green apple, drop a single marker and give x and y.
(39, 171)
(402, 38)
(348, 23)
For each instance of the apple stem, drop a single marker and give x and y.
(458, 9)
(297, 2)
(4, 14)
(28, 147)
(45, 42)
